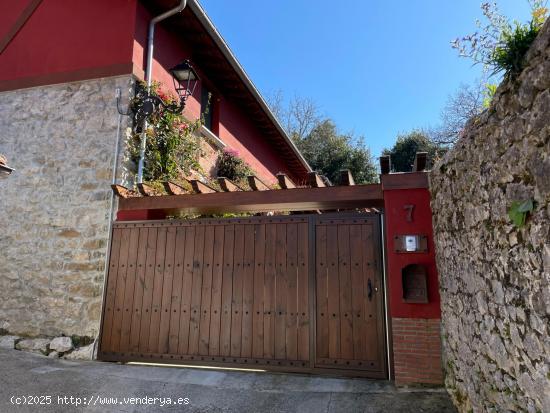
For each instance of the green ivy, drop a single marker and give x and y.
(518, 211)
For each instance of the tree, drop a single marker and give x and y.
(468, 101)
(299, 117)
(407, 145)
(328, 152)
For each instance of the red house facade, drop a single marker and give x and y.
(54, 42)
(61, 63)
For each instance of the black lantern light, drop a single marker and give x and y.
(185, 81)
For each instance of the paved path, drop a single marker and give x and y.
(26, 374)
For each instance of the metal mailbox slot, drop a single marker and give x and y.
(415, 285)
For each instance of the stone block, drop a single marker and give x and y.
(61, 344)
(35, 345)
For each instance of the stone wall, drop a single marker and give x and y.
(494, 276)
(54, 209)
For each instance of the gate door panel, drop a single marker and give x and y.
(349, 313)
(218, 291)
(239, 292)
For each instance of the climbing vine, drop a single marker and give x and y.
(172, 148)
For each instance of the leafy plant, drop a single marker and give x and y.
(232, 167)
(172, 148)
(518, 211)
(489, 93)
(499, 45)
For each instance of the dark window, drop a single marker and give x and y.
(207, 107)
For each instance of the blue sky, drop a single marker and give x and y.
(376, 67)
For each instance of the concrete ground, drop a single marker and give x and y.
(108, 387)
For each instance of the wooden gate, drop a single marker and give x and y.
(297, 293)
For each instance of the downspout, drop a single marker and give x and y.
(149, 73)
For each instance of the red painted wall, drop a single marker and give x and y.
(68, 35)
(235, 127)
(396, 224)
(69, 40)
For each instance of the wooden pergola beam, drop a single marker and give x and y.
(201, 188)
(227, 185)
(256, 184)
(346, 178)
(147, 190)
(285, 182)
(420, 161)
(173, 188)
(122, 191)
(385, 164)
(299, 199)
(314, 180)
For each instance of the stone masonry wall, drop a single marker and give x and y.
(54, 208)
(495, 277)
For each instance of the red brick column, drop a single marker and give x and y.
(417, 350)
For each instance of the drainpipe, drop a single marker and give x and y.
(149, 73)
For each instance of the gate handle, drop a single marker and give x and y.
(369, 288)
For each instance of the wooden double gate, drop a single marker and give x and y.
(296, 293)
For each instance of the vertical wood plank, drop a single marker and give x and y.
(196, 289)
(237, 301)
(356, 263)
(280, 292)
(128, 300)
(175, 302)
(111, 290)
(259, 269)
(187, 284)
(120, 288)
(227, 290)
(291, 318)
(206, 293)
(167, 288)
(371, 348)
(321, 271)
(303, 291)
(346, 315)
(333, 292)
(248, 291)
(269, 292)
(138, 290)
(157, 290)
(148, 289)
(216, 305)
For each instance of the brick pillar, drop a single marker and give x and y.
(415, 325)
(417, 350)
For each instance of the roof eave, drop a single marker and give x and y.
(228, 54)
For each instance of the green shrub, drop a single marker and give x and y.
(232, 167)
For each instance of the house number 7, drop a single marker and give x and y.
(409, 209)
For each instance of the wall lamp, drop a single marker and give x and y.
(185, 80)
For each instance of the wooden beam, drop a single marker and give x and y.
(314, 180)
(406, 180)
(147, 190)
(420, 161)
(174, 189)
(346, 178)
(227, 185)
(201, 188)
(256, 184)
(385, 164)
(299, 199)
(122, 191)
(285, 182)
